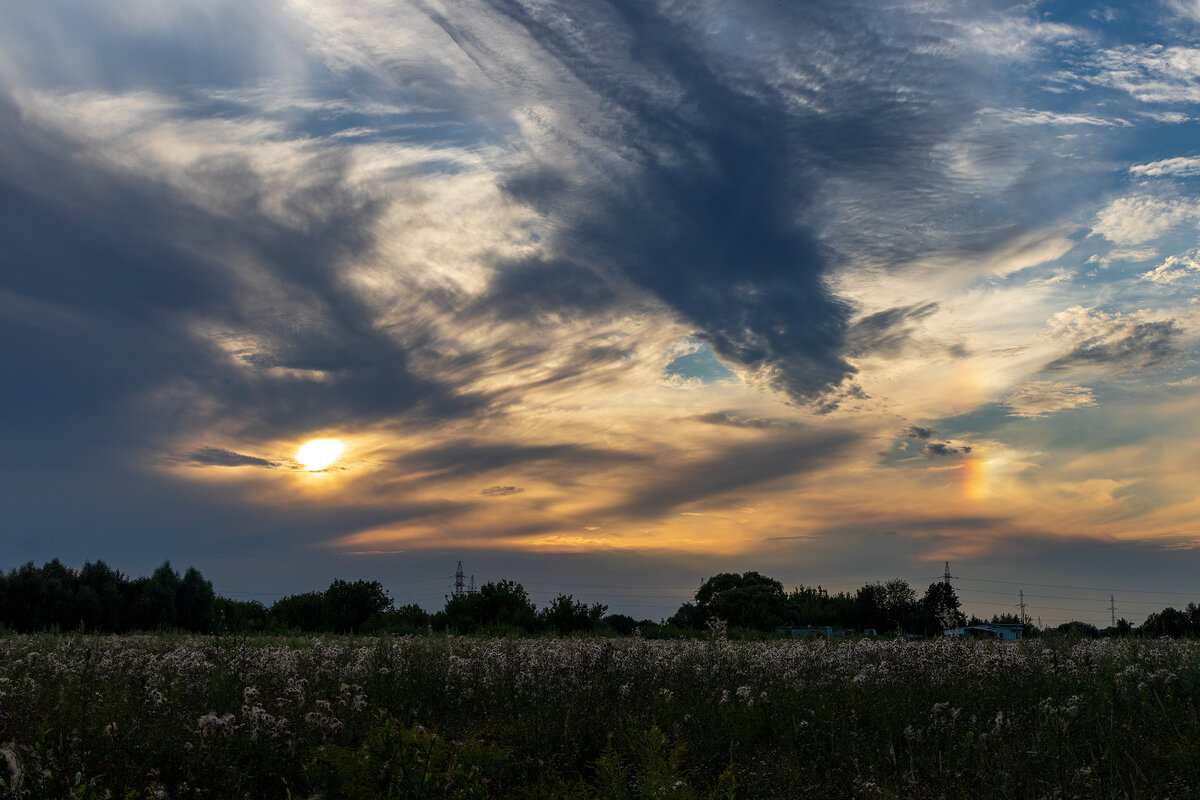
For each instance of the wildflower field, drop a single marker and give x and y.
(430, 716)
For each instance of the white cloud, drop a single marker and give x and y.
(1169, 117)
(1014, 37)
(1153, 74)
(1040, 398)
(1134, 254)
(1142, 218)
(1181, 167)
(1033, 116)
(1186, 8)
(1175, 268)
(1021, 252)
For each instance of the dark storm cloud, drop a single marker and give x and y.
(219, 457)
(886, 333)
(534, 287)
(128, 264)
(1123, 347)
(917, 432)
(738, 467)
(705, 188)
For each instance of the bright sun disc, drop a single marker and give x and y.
(319, 453)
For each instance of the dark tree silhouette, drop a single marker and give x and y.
(502, 603)
(941, 608)
(356, 607)
(748, 600)
(565, 614)
(305, 612)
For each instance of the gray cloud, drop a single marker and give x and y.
(132, 293)
(697, 169)
(465, 458)
(946, 450)
(886, 333)
(1122, 346)
(219, 457)
(734, 421)
(917, 432)
(501, 491)
(738, 467)
(535, 287)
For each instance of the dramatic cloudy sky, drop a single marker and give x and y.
(606, 296)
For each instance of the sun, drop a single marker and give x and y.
(319, 453)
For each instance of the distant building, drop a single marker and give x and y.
(811, 630)
(988, 630)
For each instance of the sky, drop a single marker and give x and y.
(607, 296)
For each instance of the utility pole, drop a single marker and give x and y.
(947, 576)
(458, 581)
(1021, 605)
(1112, 607)
(471, 587)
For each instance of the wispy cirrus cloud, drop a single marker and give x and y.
(1180, 167)
(218, 456)
(1154, 73)
(1039, 398)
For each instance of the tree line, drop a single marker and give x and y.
(100, 599)
(757, 602)
(97, 598)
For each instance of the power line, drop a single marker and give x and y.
(689, 590)
(970, 591)
(1080, 588)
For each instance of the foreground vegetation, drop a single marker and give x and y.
(443, 716)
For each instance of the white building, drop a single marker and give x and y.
(987, 630)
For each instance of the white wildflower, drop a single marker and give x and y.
(15, 771)
(210, 724)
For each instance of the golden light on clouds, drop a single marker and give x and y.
(319, 453)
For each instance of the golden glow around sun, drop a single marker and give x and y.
(319, 453)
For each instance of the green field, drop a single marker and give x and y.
(358, 717)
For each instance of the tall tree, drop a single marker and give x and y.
(565, 614)
(748, 600)
(305, 611)
(888, 606)
(195, 602)
(941, 608)
(496, 603)
(354, 607)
